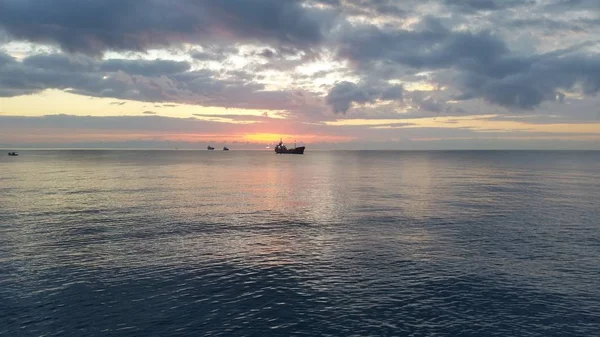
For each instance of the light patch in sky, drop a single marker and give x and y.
(479, 123)
(311, 68)
(421, 86)
(275, 80)
(21, 50)
(152, 54)
(53, 102)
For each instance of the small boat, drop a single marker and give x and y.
(210, 148)
(225, 148)
(281, 149)
(13, 154)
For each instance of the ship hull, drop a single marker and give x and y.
(298, 150)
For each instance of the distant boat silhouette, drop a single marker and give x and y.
(13, 154)
(210, 148)
(225, 148)
(281, 149)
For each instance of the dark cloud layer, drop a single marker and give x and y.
(94, 26)
(486, 66)
(114, 78)
(540, 82)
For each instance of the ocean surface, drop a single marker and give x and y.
(250, 243)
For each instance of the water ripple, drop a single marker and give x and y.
(120, 243)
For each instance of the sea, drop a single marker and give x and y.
(329, 243)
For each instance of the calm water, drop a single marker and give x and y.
(242, 243)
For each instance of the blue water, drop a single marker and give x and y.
(247, 243)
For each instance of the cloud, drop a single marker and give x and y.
(549, 25)
(487, 68)
(426, 101)
(145, 67)
(572, 5)
(373, 7)
(430, 48)
(142, 80)
(95, 26)
(344, 94)
(86, 76)
(5, 59)
(470, 6)
(213, 52)
(149, 113)
(541, 79)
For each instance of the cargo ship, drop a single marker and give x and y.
(281, 149)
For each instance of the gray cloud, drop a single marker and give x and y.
(61, 63)
(548, 25)
(213, 52)
(431, 48)
(83, 75)
(539, 81)
(343, 94)
(572, 5)
(21, 78)
(426, 101)
(486, 67)
(144, 67)
(142, 80)
(486, 5)
(5, 59)
(94, 26)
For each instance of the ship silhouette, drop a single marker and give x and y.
(282, 149)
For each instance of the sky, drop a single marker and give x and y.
(329, 74)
